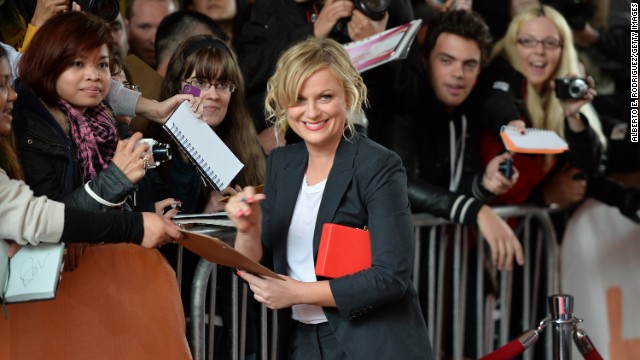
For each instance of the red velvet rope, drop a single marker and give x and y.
(592, 355)
(509, 351)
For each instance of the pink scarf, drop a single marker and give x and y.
(94, 135)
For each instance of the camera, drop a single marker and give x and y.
(506, 168)
(160, 152)
(374, 9)
(106, 9)
(571, 88)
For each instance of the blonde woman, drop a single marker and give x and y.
(519, 89)
(334, 176)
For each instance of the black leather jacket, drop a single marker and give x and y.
(49, 161)
(423, 143)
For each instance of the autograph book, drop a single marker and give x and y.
(33, 273)
(221, 253)
(533, 141)
(343, 251)
(378, 49)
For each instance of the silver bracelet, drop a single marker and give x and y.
(97, 198)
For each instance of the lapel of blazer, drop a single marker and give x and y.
(289, 182)
(337, 183)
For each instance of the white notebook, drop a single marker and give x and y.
(33, 273)
(211, 156)
(378, 49)
(533, 141)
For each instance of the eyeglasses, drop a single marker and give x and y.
(203, 85)
(548, 43)
(131, 86)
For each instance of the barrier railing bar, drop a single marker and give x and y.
(431, 294)
(416, 259)
(264, 345)
(198, 295)
(526, 273)
(243, 320)
(479, 295)
(234, 318)
(213, 274)
(457, 285)
(444, 241)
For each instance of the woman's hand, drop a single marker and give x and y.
(129, 157)
(159, 111)
(158, 230)
(572, 106)
(494, 180)
(502, 241)
(273, 293)
(162, 204)
(244, 211)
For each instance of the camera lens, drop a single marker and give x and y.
(372, 8)
(161, 152)
(578, 88)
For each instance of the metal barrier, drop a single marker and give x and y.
(442, 250)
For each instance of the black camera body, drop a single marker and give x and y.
(571, 88)
(106, 9)
(160, 152)
(506, 168)
(374, 9)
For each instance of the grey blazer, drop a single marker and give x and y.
(377, 314)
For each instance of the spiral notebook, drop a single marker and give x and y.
(213, 159)
(533, 141)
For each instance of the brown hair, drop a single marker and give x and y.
(211, 59)
(56, 45)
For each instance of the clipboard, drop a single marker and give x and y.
(221, 253)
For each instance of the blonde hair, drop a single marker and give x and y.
(298, 63)
(544, 107)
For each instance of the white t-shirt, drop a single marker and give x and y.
(300, 247)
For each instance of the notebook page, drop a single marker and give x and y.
(204, 146)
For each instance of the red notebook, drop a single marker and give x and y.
(343, 251)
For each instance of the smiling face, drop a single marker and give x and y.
(319, 115)
(85, 83)
(215, 103)
(539, 63)
(455, 65)
(7, 97)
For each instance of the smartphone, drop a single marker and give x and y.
(188, 89)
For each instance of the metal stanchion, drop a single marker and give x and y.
(563, 328)
(562, 320)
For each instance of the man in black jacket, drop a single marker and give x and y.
(439, 146)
